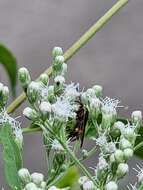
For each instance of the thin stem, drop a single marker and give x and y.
(76, 46)
(138, 146)
(31, 130)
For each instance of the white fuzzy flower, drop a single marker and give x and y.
(63, 109)
(109, 105)
(15, 125)
(112, 185)
(88, 185)
(37, 178)
(101, 140)
(72, 91)
(95, 103)
(98, 90)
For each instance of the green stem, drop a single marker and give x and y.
(76, 46)
(138, 146)
(69, 152)
(31, 130)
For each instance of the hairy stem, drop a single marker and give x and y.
(76, 46)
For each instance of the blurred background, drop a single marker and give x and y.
(113, 58)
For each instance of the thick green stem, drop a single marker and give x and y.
(138, 146)
(76, 46)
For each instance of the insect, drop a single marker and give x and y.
(80, 124)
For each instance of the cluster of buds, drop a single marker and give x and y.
(34, 181)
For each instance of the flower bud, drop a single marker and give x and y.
(30, 186)
(24, 77)
(51, 93)
(128, 153)
(37, 178)
(88, 185)
(119, 156)
(130, 134)
(59, 59)
(57, 51)
(53, 188)
(112, 158)
(33, 91)
(24, 175)
(90, 93)
(137, 117)
(44, 78)
(45, 107)
(112, 185)
(98, 90)
(43, 185)
(119, 125)
(124, 143)
(82, 180)
(4, 95)
(122, 170)
(30, 113)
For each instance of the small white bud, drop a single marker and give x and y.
(122, 170)
(82, 180)
(119, 156)
(124, 143)
(88, 185)
(44, 78)
(128, 153)
(24, 77)
(24, 175)
(59, 59)
(111, 186)
(31, 186)
(45, 107)
(37, 178)
(59, 79)
(43, 185)
(57, 51)
(119, 125)
(130, 134)
(5, 95)
(98, 90)
(33, 91)
(136, 117)
(30, 113)
(53, 188)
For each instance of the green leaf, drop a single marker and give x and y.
(9, 62)
(11, 157)
(70, 179)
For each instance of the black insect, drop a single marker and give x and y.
(80, 125)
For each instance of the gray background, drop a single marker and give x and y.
(113, 58)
